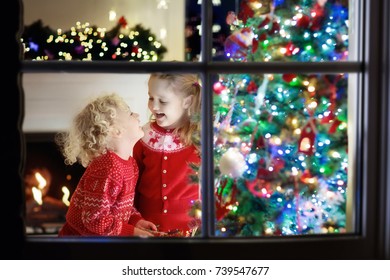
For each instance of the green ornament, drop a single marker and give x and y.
(248, 126)
(342, 115)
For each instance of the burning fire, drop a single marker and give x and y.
(44, 212)
(42, 183)
(65, 197)
(37, 192)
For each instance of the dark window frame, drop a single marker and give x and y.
(371, 240)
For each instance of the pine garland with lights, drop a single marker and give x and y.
(86, 42)
(280, 140)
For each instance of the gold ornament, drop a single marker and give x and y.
(261, 7)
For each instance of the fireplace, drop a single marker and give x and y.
(49, 184)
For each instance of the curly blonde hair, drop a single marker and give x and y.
(89, 134)
(187, 85)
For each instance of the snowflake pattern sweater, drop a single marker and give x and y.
(102, 204)
(164, 192)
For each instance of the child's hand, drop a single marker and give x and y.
(142, 233)
(146, 225)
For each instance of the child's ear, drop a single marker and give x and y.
(187, 102)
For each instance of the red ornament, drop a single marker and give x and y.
(270, 173)
(263, 37)
(306, 141)
(252, 87)
(260, 143)
(245, 12)
(278, 164)
(255, 45)
(221, 205)
(264, 22)
(264, 173)
(259, 187)
(122, 21)
(218, 87)
(330, 90)
(275, 28)
(306, 176)
(318, 14)
(303, 22)
(288, 77)
(291, 49)
(334, 126)
(328, 118)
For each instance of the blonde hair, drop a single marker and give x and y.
(186, 85)
(89, 134)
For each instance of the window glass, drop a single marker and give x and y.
(51, 102)
(242, 30)
(49, 185)
(284, 30)
(117, 30)
(283, 147)
(51, 99)
(283, 143)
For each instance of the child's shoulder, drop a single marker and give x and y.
(107, 160)
(104, 160)
(109, 163)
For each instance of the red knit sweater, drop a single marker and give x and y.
(164, 193)
(103, 201)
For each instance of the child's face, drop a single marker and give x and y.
(168, 107)
(129, 124)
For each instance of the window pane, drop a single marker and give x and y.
(146, 30)
(51, 102)
(285, 30)
(53, 98)
(283, 148)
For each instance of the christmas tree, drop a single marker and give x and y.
(280, 140)
(86, 42)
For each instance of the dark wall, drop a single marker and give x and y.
(12, 203)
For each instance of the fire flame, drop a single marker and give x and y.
(37, 192)
(65, 197)
(41, 181)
